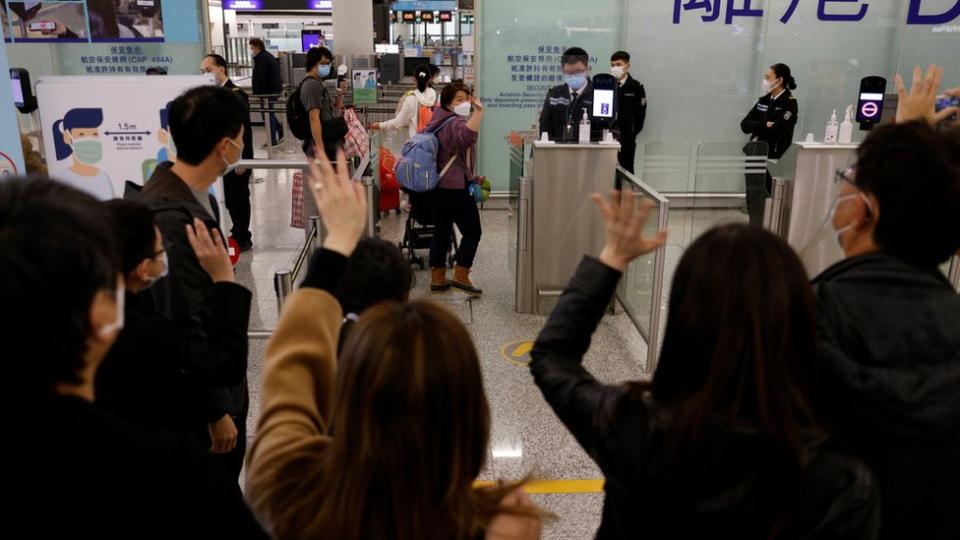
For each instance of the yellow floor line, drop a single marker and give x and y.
(555, 486)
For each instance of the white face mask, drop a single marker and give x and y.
(767, 86)
(617, 71)
(833, 212)
(163, 273)
(462, 109)
(117, 324)
(231, 166)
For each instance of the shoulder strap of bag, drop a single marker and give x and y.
(441, 126)
(448, 165)
(452, 159)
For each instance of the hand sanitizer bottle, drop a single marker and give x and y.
(833, 127)
(846, 128)
(585, 128)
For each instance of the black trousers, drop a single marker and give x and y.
(236, 189)
(628, 152)
(454, 206)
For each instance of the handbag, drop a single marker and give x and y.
(357, 141)
(297, 220)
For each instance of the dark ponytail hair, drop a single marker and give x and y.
(422, 75)
(782, 71)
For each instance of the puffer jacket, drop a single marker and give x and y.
(890, 385)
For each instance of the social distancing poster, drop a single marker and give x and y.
(103, 132)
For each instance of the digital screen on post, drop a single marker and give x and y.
(603, 103)
(426, 16)
(409, 17)
(869, 108)
(17, 92)
(445, 16)
(310, 39)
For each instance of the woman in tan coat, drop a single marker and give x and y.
(390, 446)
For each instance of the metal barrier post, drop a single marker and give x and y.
(283, 283)
(316, 225)
(372, 209)
(773, 208)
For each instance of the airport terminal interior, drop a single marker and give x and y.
(712, 113)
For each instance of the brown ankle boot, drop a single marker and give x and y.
(461, 280)
(438, 280)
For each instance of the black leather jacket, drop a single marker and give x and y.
(890, 385)
(727, 492)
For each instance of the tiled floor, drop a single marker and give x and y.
(526, 437)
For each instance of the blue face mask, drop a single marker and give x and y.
(577, 81)
(324, 70)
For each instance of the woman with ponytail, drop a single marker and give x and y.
(79, 151)
(771, 121)
(416, 107)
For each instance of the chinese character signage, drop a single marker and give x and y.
(729, 11)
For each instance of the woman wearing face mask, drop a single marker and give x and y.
(416, 108)
(771, 121)
(153, 376)
(78, 136)
(457, 130)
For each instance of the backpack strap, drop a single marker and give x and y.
(447, 166)
(441, 126)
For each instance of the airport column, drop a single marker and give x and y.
(353, 27)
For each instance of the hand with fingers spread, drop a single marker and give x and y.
(211, 252)
(341, 202)
(624, 229)
(920, 103)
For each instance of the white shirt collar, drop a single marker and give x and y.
(776, 97)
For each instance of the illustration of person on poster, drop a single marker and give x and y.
(168, 149)
(77, 136)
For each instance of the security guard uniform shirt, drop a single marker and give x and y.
(562, 106)
(782, 111)
(630, 119)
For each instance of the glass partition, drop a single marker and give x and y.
(702, 62)
(640, 291)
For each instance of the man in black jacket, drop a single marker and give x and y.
(153, 377)
(236, 185)
(207, 127)
(633, 108)
(890, 338)
(77, 470)
(267, 80)
(564, 105)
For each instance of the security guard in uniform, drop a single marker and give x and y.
(771, 121)
(564, 105)
(633, 108)
(236, 184)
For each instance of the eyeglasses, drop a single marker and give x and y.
(167, 247)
